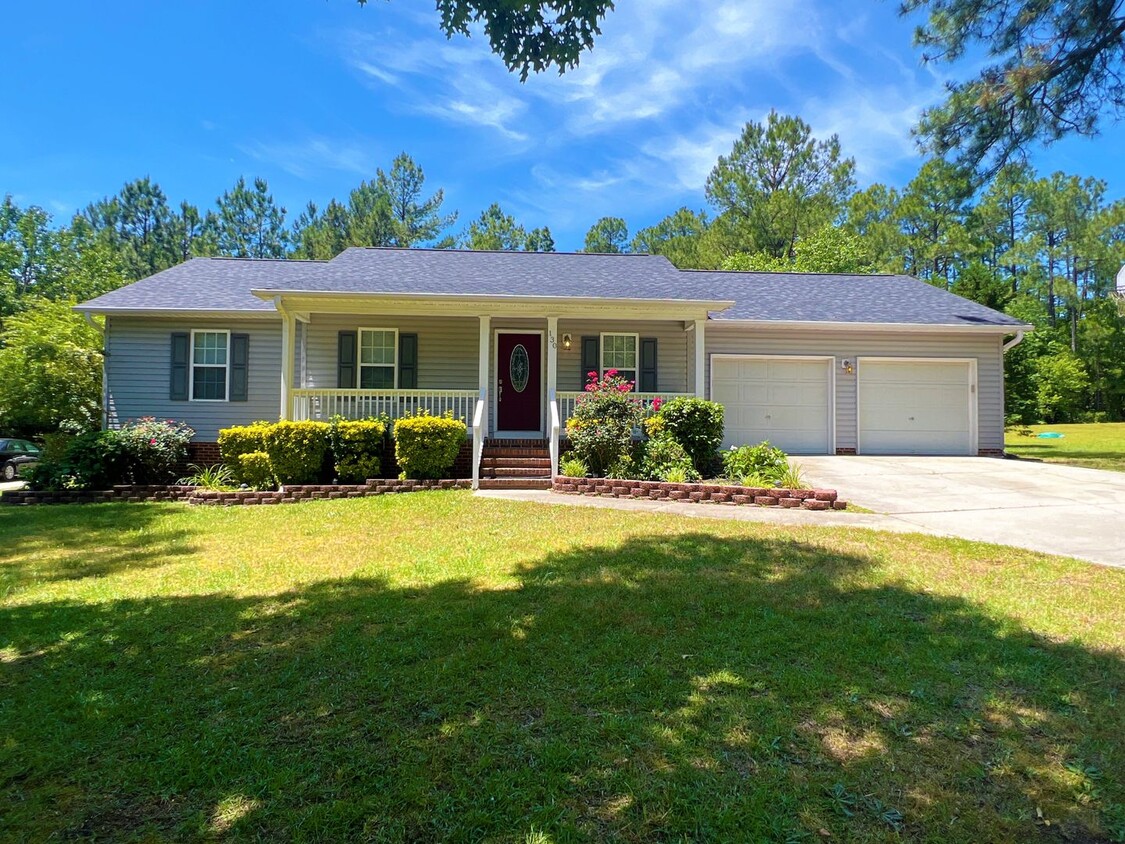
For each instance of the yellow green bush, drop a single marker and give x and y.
(357, 448)
(256, 471)
(239, 440)
(297, 450)
(426, 446)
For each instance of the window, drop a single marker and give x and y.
(619, 351)
(210, 355)
(378, 358)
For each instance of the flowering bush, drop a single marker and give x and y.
(601, 427)
(147, 451)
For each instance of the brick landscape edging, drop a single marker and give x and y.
(806, 499)
(194, 495)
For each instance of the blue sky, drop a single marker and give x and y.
(314, 95)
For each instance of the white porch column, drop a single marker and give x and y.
(552, 357)
(700, 358)
(482, 366)
(288, 330)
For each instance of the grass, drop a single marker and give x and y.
(438, 667)
(1095, 446)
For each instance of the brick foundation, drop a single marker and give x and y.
(203, 454)
(846, 451)
(990, 452)
(194, 495)
(806, 499)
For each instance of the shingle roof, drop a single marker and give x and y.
(817, 297)
(224, 284)
(210, 284)
(465, 273)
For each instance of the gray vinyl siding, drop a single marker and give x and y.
(986, 349)
(673, 346)
(138, 365)
(447, 348)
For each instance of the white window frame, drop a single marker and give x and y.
(359, 357)
(602, 368)
(192, 365)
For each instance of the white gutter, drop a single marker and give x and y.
(1011, 344)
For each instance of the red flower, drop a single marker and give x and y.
(609, 373)
(656, 402)
(591, 375)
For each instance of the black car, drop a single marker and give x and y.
(15, 455)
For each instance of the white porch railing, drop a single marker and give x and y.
(322, 405)
(566, 402)
(480, 430)
(553, 432)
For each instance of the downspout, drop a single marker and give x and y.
(1011, 344)
(101, 329)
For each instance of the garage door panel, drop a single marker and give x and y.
(915, 407)
(781, 400)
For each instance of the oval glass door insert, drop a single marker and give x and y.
(519, 368)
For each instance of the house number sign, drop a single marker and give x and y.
(519, 368)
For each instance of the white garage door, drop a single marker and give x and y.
(784, 400)
(915, 407)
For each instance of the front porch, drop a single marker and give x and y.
(507, 376)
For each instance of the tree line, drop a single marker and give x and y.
(1044, 248)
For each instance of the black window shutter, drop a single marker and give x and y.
(178, 382)
(239, 367)
(591, 348)
(345, 357)
(408, 361)
(648, 365)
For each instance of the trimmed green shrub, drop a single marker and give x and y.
(256, 470)
(357, 448)
(427, 446)
(297, 450)
(661, 456)
(697, 425)
(242, 439)
(763, 460)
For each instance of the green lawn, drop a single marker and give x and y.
(438, 667)
(1096, 446)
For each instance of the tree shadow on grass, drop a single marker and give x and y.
(72, 542)
(688, 688)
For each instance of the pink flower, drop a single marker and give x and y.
(591, 375)
(152, 441)
(656, 402)
(609, 373)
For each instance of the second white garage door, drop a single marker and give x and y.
(787, 401)
(915, 406)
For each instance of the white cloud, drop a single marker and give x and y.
(310, 156)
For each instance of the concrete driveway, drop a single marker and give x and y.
(1042, 506)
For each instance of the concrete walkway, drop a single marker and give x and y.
(1055, 509)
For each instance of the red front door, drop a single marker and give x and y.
(519, 386)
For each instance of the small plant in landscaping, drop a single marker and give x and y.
(256, 470)
(697, 425)
(662, 454)
(675, 475)
(601, 427)
(753, 480)
(572, 467)
(792, 477)
(216, 476)
(763, 460)
(427, 446)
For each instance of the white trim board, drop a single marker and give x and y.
(830, 360)
(973, 393)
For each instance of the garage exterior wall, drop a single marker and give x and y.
(138, 365)
(734, 339)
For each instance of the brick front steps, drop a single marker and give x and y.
(806, 499)
(194, 495)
